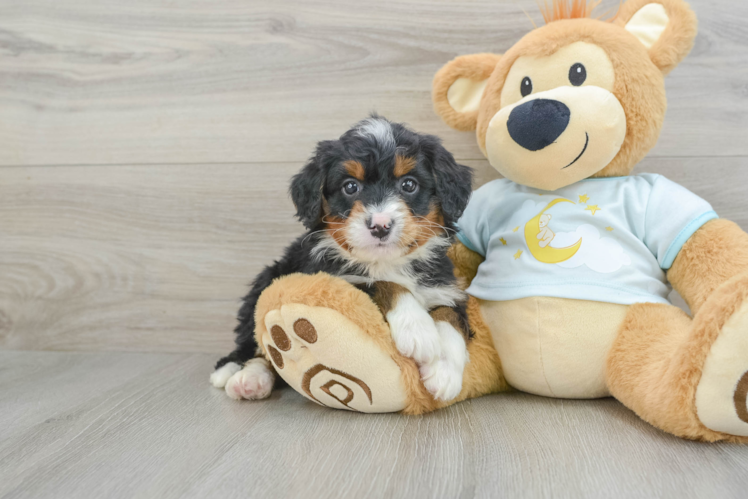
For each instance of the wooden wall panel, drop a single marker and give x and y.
(155, 258)
(204, 81)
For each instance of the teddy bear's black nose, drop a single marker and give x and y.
(537, 123)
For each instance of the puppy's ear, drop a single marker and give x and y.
(306, 189)
(454, 182)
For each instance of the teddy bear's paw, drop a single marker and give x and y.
(723, 389)
(222, 375)
(332, 361)
(443, 377)
(254, 381)
(413, 330)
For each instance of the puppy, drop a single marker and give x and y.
(380, 205)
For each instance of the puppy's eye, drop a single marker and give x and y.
(350, 188)
(409, 185)
(525, 87)
(577, 74)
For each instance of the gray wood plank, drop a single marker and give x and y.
(163, 431)
(222, 81)
(36, 385)
(155, 258)
(175, 246)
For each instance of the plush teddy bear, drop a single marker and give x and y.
(569, 259)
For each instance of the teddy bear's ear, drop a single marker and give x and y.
(666, 28)
(458, 88)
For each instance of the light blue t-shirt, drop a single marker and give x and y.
(607, 239)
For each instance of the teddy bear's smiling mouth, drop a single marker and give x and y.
(586, 142)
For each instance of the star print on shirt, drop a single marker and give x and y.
(517, 255)
(583, 198)
(515, 229)
(593, 208)
(608, 228)
(503, 241)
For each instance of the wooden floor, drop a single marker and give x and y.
(145, 151)
(143, 425)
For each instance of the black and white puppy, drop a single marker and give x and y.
(380, 205)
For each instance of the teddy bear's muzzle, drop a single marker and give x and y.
(555, 138)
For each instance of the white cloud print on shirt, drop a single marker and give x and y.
(600, 254)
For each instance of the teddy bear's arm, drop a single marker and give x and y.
(466, 262)
(716, 253)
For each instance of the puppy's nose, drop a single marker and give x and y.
(380, 232)
(537, 123)
(380, 225)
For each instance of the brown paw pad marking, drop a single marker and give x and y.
(306, 384)
(741, 394)
(305, 330)
(280, 338)
(277, 357)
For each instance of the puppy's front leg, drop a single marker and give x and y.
(413, 330)
(442, 377)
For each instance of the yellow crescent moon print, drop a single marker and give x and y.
(549, 255)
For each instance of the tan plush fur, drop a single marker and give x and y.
(713, 255)
(323, 290)
(639, 84)
(476, 67)
(676, 41)
(656, 361)
(482, 374)
(466, 262)
(655, 364)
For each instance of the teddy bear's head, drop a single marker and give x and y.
(576, 98)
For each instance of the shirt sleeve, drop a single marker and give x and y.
(473, 231)
(673, 214)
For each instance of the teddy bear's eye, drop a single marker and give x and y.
(577, 74)
(525, 87)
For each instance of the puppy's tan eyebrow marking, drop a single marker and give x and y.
(403, 165)
(354, 169)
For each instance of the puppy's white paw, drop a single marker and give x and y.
(219, 377)
(413, 330)
(443, 377)
(254, 381)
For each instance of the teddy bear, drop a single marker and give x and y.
(546, 235)
(568, 259)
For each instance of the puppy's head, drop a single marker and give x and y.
(381, 191)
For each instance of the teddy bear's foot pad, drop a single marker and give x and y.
(723, 389)
(327, 358)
